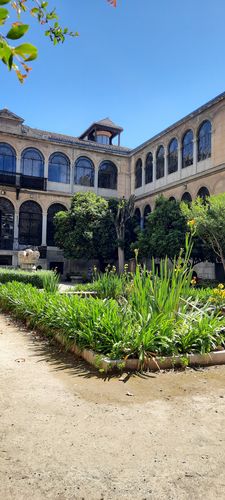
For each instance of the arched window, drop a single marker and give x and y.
(52, 211)
(137, 217)
(187, 149)
(147, 211)
(186, 197)
(173, 156)
(30, 224)
(138, 174)
(160, 160)
(204, 141)
(149, 168)
(172, 198)
(203, 193)
(6, 224)
(107, 175)
(32, 163)
(59, 168)
(84, 172)
(7, 158)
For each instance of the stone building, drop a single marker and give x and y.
(40, 171)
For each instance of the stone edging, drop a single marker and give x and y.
(153, 364)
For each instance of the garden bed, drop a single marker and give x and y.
(153, 364)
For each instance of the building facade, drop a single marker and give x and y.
(40, 171)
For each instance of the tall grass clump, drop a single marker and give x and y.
(51, 282)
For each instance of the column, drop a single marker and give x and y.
(195, 153)
(44, 229)
(72, 173)
(179, 160)
(165, 165)
(46, 174)
(16, 231)
(143, 173)
(96, 180)
(18, 170)
(154, 168)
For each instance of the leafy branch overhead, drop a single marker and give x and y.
(18, 57)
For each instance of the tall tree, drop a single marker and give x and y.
(121, 212)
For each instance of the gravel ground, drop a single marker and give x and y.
(67, 433)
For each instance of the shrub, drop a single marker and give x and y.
(35, 278)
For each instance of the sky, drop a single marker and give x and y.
(145, 65)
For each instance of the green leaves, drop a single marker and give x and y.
(17, 31)
(15, 58)
(27, 51)
(4, 14)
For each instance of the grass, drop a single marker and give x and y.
(35, 278)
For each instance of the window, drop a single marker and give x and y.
(186, 198)
(30, 224)
(203, 193)
(107, 175)
(138, 174)
(137, 217)
(7, 158)
(147, 211)
(187, 149)
(172, 198)
(52, 211)
(32, 163)
(84, 172)
(204, 141)
(6, 224)
(103, 139)
(149, 168)
(59, 168)
(173, 156)
(160, 163)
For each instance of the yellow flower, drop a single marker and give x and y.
(221, 286)
(193, 281)
(191, 222)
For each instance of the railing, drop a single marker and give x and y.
(30, 182)
(23, 181)
(7, 178)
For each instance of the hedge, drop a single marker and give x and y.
(35, 278)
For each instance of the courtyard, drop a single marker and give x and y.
(68, 432)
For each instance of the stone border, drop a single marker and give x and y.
(152, 364)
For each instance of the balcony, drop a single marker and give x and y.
(7, 178)
(31, 182)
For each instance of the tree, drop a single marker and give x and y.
(88, 229)
(207, 217)
(18, 57)
(77, 230)
(164, 234)
(165, 230)
(121, 212)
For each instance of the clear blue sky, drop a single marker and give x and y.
(145, 65)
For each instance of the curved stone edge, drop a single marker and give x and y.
(153, 364)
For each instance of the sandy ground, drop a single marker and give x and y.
(67, 433)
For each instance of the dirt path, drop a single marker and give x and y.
(66, 433)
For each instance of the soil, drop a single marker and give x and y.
(67, 432)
